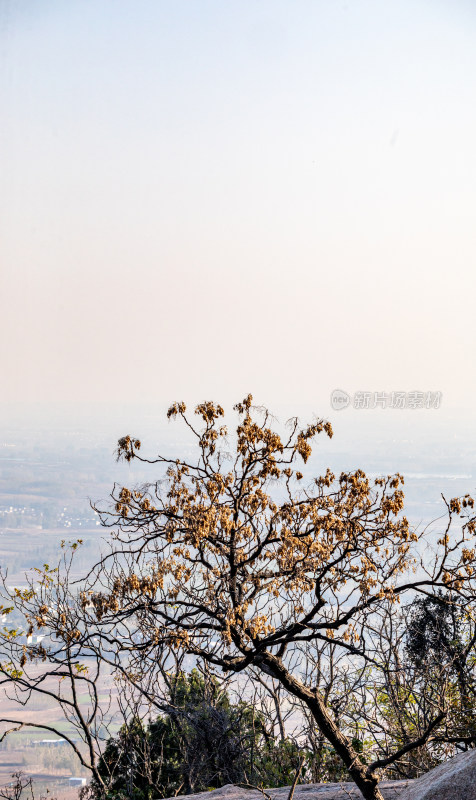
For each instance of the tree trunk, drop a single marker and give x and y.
(368, 784)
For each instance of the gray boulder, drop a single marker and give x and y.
(453, 780)
(391, 790)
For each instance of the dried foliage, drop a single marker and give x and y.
(235, 558)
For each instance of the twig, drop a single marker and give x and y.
(346, 791)
(296, 778)
(257, 788)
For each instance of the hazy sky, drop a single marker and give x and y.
(202, 198)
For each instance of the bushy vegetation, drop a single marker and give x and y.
(201, 742)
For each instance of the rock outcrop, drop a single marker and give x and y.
(453, 780)
(391, 790)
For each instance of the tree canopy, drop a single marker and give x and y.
(236, 557)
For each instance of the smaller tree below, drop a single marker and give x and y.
(202, 742)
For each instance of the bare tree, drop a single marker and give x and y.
(238, 560)
(60, 668)
(20, 788)
(17, 788)
(231, 560)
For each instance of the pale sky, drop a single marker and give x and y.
(203, 198)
